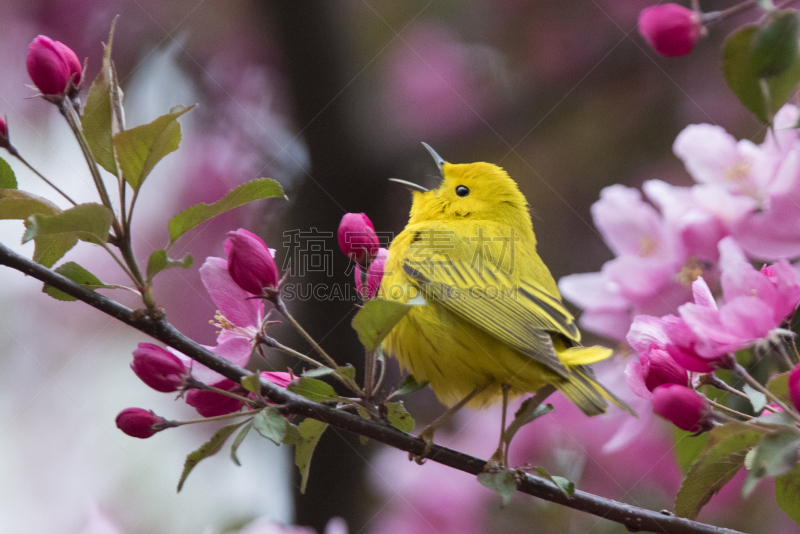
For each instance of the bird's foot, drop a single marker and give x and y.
(426, 436)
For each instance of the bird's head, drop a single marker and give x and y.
(470, 191)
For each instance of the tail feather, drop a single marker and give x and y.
(583, 389)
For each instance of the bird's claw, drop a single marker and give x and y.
(426, 436)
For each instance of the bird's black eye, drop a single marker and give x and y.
(462, 190)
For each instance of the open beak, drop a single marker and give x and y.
(436, 157)
(409, 185)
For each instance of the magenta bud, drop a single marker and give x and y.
(250, 262)
(139, 423)
(278, 378)
(51, 64)
(3, 130)
(794, 387)
(684, 407)
(357, 238)
(374, 275)
(158, 368)
(658, 368)
(209, 403)
(670, 29)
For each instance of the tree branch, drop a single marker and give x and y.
(634, 518)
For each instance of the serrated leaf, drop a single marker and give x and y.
(199, 213)
(8, 179)
(567, 487)
(270, 424)
(687, 447)
(746, 84)
(238, 441)
(313, 389)
(209, 448)
(787, 493)
(78, 274)
(159, 261)
(502, 482)
(140, 148)
(398, 416)
(252, 382)
(526, 413)
(87, 222)
(408, 385)
(292, 436)
(715, 466)
(375, 320)
(310, 432)
(16, 204)
(778, 385)
(774, 47)
(775, 455)
(98, 115)
(757, 399)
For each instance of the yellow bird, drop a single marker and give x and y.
(493, 324)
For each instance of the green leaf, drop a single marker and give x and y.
(502, 482)
(238, 441)
(209, 448)
(87, 222)
(376, 318)
(567, 487)
(313, 389)
(398, 416)
(408, 385)
(775, 455)
(15, 204)
(778, 385)
(78, 274)
(745, 82)
(715, 466)
(270, 424)
(98, 115)
(526, 413)
(687, 447)
(787, 493)
(348, 372)
(159, 261)
(318, 372)
(292, 436)
(140, 148)
(252, 382)
(774, 47)
(7, 178)
(310, 432)
(199, 213)
(757, 399)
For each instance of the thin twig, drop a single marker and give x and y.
(633, 517)
(13, 151)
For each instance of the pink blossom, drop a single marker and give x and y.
(210, 403)
(250, 262)
(684, 407)
(240, 316)
(668, 334)
(670, 29)
(654, 368)
(158, 368)
(357, 238)
(138, 422)
(51, 64)
(374, 275)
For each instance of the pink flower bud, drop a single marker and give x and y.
(374, 275)
(684, 407)
(250, 262)
(670, 29)
(51, 64)
(794, 387)
(278, 378)
(158, 368)
(3, 129)
(210, 403)
(357, 238)
(138, 422)
(659, 368)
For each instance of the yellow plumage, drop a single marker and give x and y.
(492, 314)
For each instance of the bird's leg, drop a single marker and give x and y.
(499, 455)
(427, 433)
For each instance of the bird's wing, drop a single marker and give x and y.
(517, 313)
